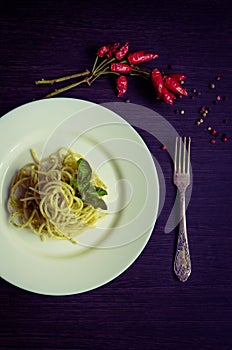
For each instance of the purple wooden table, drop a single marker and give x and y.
(146, 307)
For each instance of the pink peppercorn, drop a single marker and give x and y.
(212, 141)
(224, 138)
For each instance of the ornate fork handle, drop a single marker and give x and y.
(182, 263)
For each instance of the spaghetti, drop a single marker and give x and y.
(54, 198)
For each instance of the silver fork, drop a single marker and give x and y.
(181, 178)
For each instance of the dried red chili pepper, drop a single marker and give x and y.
(161, 91)
(172, 95)
(174, 86)
(166, 87)
(107, 50)
(121, 84)
(112, 50)
(120, 67)
(157, 81)
(121, 53)
(166, 96)
(141, 56)
(103, 50)
(177, 77)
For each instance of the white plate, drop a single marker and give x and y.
(119, 156)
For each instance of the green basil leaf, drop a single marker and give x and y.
(84, 172)
(101, 191)
(74, 182)
(87, 191)
(96, 202)
(92, 190)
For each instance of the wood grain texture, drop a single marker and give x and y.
(146, 307)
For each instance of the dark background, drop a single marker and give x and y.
(146, 307)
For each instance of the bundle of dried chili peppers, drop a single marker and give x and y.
(115, 59)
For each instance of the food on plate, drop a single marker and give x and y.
(59, 196)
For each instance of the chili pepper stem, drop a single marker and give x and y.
(138, 75)
(88, 80)
(140, 71)
(108, 72)
(99, 66)
(91, 79)
(68, 87)
(95, 63)
(103, 65)
(58, 80)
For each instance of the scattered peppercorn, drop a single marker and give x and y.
(214, 132)
(196, 92)
(205, 109)
(182, 111)
(163, 147)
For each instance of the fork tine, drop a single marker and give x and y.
(179, 166)
(188, 161)
(184, 157)
(175, 160)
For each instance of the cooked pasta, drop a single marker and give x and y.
(57, 197)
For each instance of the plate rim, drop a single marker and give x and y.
(143, 240)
